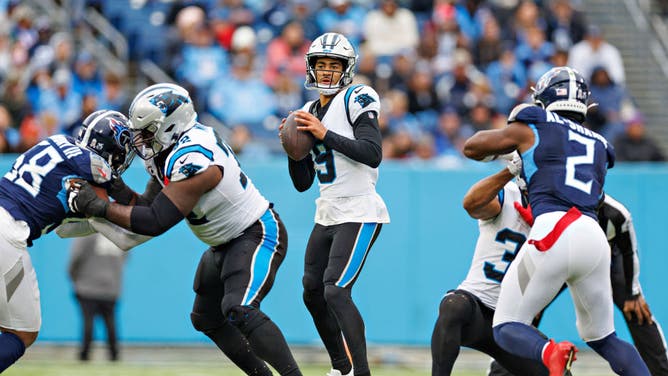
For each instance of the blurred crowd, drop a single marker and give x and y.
(443, 68)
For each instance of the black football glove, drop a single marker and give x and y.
(119, 191)
(81, 198)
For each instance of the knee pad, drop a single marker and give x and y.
(336, 296)
(246, 318)
(203, 323)
(455, 308)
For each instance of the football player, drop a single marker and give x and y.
(349, 213)
(33, 201)
(615, 219)
(198, 177)
(465, 314)
(564, 165)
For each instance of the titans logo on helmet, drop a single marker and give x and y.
(168, 101)
(364, 100)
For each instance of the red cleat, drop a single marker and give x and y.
(558, 357)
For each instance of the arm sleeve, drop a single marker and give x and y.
(153, 187)
(123, 238)
(155, 219)
(366, 147)
(302, 173)
(624, 240)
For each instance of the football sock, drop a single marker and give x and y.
(520, 339)
(11, 349)
(236, 347)
(269, 344)
(622, 356)
(328, 329)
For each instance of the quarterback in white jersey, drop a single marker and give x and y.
(466, 313)
(195, 175)
(349, 213)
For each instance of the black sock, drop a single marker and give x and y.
(235, 346)
(11, 349)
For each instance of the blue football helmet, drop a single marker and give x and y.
(106, 134)
(562, 89)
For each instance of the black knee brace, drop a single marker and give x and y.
(246, 318)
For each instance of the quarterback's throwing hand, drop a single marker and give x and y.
(82, 198)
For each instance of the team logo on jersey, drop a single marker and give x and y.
(168, 101)
(364, 100)
(189, 169)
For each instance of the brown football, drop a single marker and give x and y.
(296, 143)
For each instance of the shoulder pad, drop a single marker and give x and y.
(526, 113)
(359, 99)
(187, 161)
(99, 169)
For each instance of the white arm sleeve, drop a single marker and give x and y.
(124, 239)
(75, 229)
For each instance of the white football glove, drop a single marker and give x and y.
(513, 162)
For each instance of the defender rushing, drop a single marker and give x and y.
(195, 175)
(465, 314)
(349, 212)
(564, 165)
(33, 201)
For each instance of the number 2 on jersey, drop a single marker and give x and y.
(572, 162)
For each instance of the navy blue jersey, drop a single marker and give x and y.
(567, 164)
(35, 189)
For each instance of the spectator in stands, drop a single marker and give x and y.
(202, 61)
(507, 79)
(285, 53)
(534, 49)
(526, 17)
(565, 25)
(612, 99)
(389, 30)
(87, 77)
(9, 134)
(114, 95)
(89, 104)
(342, 16)
(96, 270)
(634, 145)
(451, 133)
(59, 105)
(595, 51)
(242, 99)
(490, 46)
(471, 16)
(422, 97)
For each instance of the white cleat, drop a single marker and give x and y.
(336, 372)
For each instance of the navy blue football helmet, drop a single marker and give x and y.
(106, 133)
(562, 89)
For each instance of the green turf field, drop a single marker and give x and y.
(107, 369)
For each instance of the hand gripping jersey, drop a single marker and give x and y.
(567, 164)
(35, 189)
(226, 211)
(347, 187)
(499, 241)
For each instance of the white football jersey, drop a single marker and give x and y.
(224, 212)
(347, 187)
(499, 241)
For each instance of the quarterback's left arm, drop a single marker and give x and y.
(481, 201)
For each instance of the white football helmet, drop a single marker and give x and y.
(336, 46)
(159, 115)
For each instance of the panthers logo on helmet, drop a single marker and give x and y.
(168, 102)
